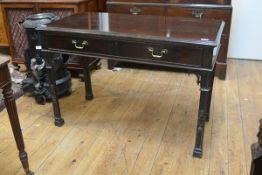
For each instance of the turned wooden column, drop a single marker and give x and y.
(256, 149)
(6, 85)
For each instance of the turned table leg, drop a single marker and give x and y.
(13, 117)
(88, 83)
(203, 111)
(59, 121)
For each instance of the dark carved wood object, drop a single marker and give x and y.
(256, 149)
(170, 42)
(5, 84)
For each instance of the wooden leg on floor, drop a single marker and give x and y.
(205, 94)
(59, 121)
(88, 83)
(14, 121)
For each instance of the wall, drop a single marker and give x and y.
(246, 30)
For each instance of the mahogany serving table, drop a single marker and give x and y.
(189, 44)
(5, 84)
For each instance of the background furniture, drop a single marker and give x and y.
(17, 93)
(3, 36)
(256, 150)
(101, 5)
(200, 9)
(15, 11)
(5, 84)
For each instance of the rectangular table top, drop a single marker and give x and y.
(145, 27)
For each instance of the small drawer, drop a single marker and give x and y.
(136, 10)
(203, 13)
(177, 54)
(80, 44)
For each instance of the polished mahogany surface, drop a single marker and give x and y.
(203, 32)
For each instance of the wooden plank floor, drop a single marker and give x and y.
(141, 122)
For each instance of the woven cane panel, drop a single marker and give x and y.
(17, 32)
(63, 13)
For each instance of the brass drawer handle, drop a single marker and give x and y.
(83, 44)
(197, 14)
(151, 50)
(135, 11)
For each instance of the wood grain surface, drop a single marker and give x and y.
(141, 122)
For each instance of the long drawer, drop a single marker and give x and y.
(203, 13)
(130, 50)
(161, 53)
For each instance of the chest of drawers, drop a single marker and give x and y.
(199, 9)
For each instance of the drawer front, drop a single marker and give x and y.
(201, 13)
(184, 55)
(80, 44)
(129, 50)
(136, 10)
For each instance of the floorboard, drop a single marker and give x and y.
(140, 122)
